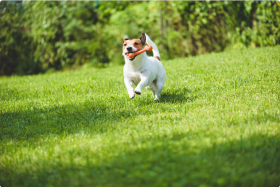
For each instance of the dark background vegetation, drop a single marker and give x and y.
(38, 37)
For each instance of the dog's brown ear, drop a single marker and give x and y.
(143, 38)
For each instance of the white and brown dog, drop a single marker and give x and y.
(142, 70)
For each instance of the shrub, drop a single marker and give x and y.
(43, 36)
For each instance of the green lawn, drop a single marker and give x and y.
(217, 124)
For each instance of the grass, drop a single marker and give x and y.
(217, 124)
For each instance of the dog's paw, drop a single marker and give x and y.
(137, 92)
(156, 100)
(132, 95)
(157, 97)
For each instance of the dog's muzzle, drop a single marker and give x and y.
(130, 50)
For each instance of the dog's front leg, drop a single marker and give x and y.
(128, 83)
(142, 84)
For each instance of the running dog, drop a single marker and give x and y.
(141, 70)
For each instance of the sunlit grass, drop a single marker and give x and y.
(217, 124)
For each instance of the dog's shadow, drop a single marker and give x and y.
(182, 96)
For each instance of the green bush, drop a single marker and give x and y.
(45, 36)
(15, 44)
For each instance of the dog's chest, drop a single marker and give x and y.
(134, 77)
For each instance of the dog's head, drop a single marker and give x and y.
(133, 45)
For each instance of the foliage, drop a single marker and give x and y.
(44, 36)
(15, 45)
(217, 124)
(192, 28)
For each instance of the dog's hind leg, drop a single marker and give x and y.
(152, 87)
(159, 87)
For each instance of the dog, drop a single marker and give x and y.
(141, 70)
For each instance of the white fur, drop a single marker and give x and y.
(144, 71)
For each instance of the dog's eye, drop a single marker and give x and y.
(136, 43)
(124, 44)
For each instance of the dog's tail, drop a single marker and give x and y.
(155, 49)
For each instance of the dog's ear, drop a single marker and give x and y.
(143, 39)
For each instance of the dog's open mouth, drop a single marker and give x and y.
(133, 57)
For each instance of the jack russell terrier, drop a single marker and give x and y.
(142, 70)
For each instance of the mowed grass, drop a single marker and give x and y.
(217, 124)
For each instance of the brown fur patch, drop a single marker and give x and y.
(134, 42)
(157, 57)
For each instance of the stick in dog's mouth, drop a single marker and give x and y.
(130, 53)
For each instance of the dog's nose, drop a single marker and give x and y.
(129, 48)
